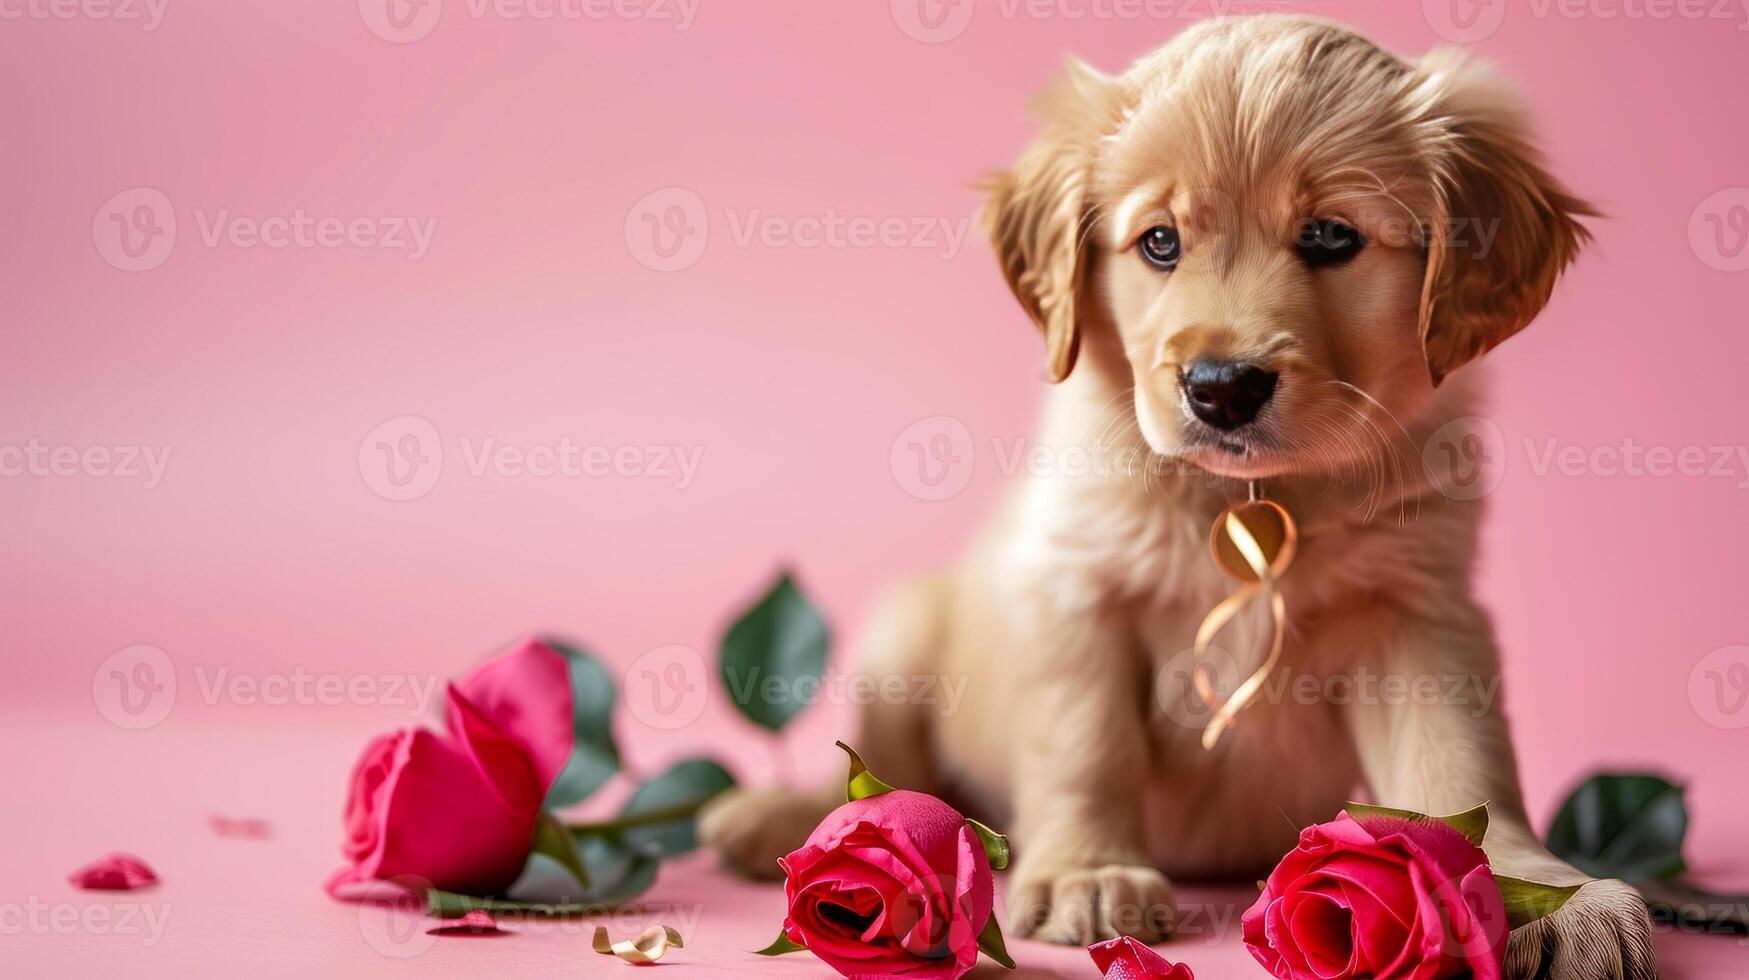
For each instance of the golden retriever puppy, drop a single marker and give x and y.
(1266, 252)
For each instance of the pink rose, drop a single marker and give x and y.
(1125, 958)
(458, 810)
(1383, 898)
(888, 884)
(455, 810)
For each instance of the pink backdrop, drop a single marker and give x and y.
(271, 267)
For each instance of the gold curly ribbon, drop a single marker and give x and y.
(649, 947)
(1253, 542)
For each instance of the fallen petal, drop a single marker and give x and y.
(479, 922)
(1125, 958)
(650, 946)
(114, 872)
(247, 828)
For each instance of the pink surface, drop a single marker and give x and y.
(502, 194)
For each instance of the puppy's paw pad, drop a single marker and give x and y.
(1077, 906)
(1602, 933)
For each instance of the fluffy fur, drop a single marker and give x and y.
(1074, 614)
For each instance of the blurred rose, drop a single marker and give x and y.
(889, 884)
(1382, 898)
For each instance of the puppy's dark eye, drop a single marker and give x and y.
(1159, 246)
(1326, 242)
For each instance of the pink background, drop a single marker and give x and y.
(266, 551)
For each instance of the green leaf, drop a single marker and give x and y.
(781, 946)
(770, 651)
(995, 845)
(1472, 823)
(682, 790)
(862, 784)
(1622, 825)
(1527, 901)
(594, 756)
(617, 875)
(990, 942)
(451, 905)
(554, 841)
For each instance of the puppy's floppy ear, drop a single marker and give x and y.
(1038, 213)
(1503, 228)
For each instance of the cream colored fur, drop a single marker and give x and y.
(1073, 616)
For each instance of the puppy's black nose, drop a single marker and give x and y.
(1226, 394)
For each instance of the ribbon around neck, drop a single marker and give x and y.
(649, 947)
(1254, 543)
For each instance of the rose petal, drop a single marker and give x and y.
(1126, 958)
(526, 694)
(244, 828)
(477, 922)
(114, 872)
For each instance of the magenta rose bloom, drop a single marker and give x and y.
(888, 885)
(457, 810)
(1383, 898)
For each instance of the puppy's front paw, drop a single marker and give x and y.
(1602, 933)
(751, 829)
(1081, 905)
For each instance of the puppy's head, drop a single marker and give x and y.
(1284, 234)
